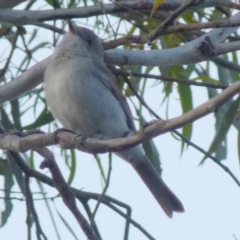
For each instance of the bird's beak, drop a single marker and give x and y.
(72, 27)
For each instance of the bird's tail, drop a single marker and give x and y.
(162, 193)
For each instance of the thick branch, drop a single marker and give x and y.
(187, 54)
(23, 83)
(22, 17)
(154, 128)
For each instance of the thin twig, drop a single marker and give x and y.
(226, 169)
(134, 223)
(93, 223)
(179, 28)
(28, 53)
(127, 224)
(80, 195)
(168, 21)
(106, 15)
(5, 68)
(171, 79)
(104, 189)
(29, 201)
(28, 208)
(49, 27)
(29, 4)
(226, 64)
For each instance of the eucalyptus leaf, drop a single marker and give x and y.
(224, 128)
(44, 118)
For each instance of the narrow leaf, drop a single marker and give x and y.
(72, 167)
(8, 184)
(67, 225)
(185, 95)
(150, 149)
(45, 117)
(156, 4)
(101, 168)
(224, 128)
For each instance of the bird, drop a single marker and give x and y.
(84, 96)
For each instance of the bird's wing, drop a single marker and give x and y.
(108, 79)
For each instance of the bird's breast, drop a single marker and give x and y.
(82, 103)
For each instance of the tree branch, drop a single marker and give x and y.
(82, 196)
(153, 129)
(22, 17)
(31, 211)
(186, 54)
(67, 194)
(170, 19)
(171, 79)
(179, 28)
(104, 190)
(23, 83)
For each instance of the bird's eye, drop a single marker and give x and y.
(90, 42)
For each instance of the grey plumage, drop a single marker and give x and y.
(82, 94)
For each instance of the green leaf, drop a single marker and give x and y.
(48, 207)
(206, 79)
(54, 3)
(185, 95)
(44, 118)
(150, 148)
(100, 168)
(5, 121)
(156, 4)
(39, 46)
(168, 88)
(4, 166)
(15, 110)
(8, 184)
(13, 158)
(72, 165)
(224, 128)
(34, 34)
(71, 3)
(153, 155)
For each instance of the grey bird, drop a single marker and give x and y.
(83, 95)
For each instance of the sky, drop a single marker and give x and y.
(210, 197)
